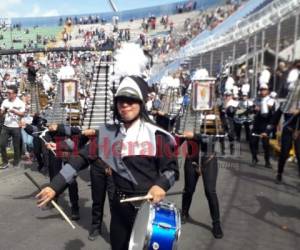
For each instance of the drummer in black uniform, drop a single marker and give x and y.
(264, 109)
(291, 127)
(243, 117)
(204, 164)
(140, 154)
(227, 112)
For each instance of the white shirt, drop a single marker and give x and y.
(12, 120)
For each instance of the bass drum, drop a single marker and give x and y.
(157, 226)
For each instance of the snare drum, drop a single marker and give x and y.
(157, 226)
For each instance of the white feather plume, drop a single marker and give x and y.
(245, 88)
(264, 77)
(229, 83)
(292, 78)
(200, 74)
(169, 82)
(235, 90)
(130, 60)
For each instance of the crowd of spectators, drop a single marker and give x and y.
(178, 35)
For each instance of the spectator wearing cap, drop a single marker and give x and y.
(13, 109)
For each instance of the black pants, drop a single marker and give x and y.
(100, 183)
(38, 151)
(228, 125)
(55, 165)
(122, 220)
(287, 141)
(6, 133)
(209, 168)
(254, 140)
(238, 129)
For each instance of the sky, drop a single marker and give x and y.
(38, 8)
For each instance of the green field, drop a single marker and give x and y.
(10, 36)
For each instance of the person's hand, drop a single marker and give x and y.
(89, 132)
(53, 127)
(157, 193)
(263, 135)
(22, 124)
(161, 113)
(188, 134)
(45, 196)
(108, 171)
(295, 111)
(13, 111)
(51, 145)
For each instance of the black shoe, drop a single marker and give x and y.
(94, 233)
(268, 165)
(278, 179)
(75, 213)
(217, 231)
(184, 218)
(40, 167)
(4, 166)
(254, 162)
(17, 165)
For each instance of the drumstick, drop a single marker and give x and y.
(138, 198)
(52, 201)
(148, 197)
(257, 135)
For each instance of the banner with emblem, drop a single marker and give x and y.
(202, 94)
(69, 91)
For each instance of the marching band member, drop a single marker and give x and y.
(264, 108)
(241, 117)
(228, 110)
(291, 127)
(100, 176)
(63, 139)
(207, 166)
(140, 154)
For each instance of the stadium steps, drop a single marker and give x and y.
(98, 111)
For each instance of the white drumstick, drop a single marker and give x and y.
(52, 201)
(148, 197)
(62, 213)
(257, 135)
(139, 198)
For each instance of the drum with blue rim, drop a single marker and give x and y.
(157, 226)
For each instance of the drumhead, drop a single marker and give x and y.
(140, 233)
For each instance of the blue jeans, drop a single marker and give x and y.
(27, 140)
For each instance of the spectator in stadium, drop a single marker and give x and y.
(13, 109)
(32, 70)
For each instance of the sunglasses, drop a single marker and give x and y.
(127, 100)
